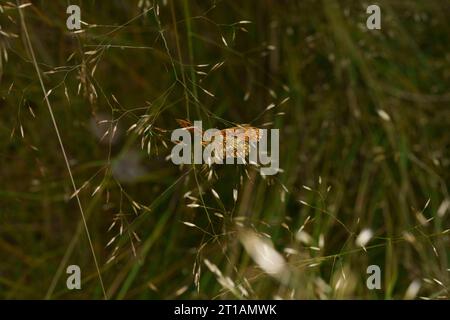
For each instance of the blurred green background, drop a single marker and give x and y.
(364, 123)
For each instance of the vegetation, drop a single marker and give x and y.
(364, 150)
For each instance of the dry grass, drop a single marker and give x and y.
(363, 118)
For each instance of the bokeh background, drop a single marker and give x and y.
(364, 123)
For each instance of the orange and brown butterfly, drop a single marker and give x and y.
(244, 135)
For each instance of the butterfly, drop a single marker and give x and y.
(243, 137)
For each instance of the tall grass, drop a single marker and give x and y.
(363, 118)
